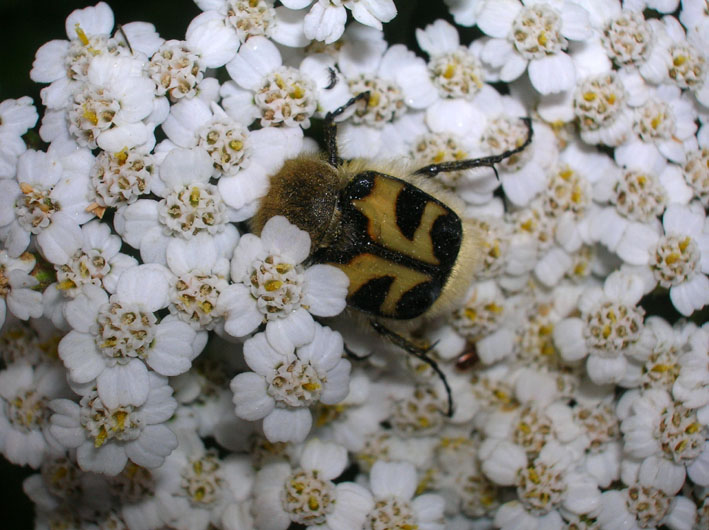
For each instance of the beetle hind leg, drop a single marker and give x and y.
(419, 353)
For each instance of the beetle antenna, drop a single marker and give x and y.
(125, 37)
(488, 161)
(331, 127)
(419, 353)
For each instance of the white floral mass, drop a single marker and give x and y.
(163, 367)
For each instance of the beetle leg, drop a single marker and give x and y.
(331, 128)
(488, 161)
(419, 353)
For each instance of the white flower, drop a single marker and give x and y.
(534, 33)
(287, 380)
(190, 205)
(307, 494)
(393, 486)
(17, 293)
(106, 437)
(244, 159)
(326, 20)
(668, 439)
(65, 64)
(454, 69)
(396, 80)
(609, 331)
(109, 109)
(544, 485)
(195, 487)
(113, 339)
(16, 117)
(280, 95)
(24, 415)
(677, 258)
(201, 274)
(49, 201)
(271, 286)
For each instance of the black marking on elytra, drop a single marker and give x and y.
(370, 296)
(410, 205)
(354, 240)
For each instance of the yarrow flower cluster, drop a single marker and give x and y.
(171, 359)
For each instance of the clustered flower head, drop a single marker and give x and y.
(162, 366)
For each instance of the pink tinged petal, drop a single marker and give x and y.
(262, 358)
(397, 479)
(60, 240)
(428, 507)
(636, 242)
(216, 43)
(603, 371)
(172, 352)
(124, 384)
(257, 57)
(132, 284)
(691, 295)
(281, 238)
(552, 74)
(295, 330)
(326, 290)
(154, 444)
(325, 22)
(353, 504)
(328, 458)
(79, 354)
(575, 23)
(250, 396)
(242, 315)
(109, 459)
(283, 425)
(496, 17)
(568, 338)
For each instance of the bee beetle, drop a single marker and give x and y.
(401, 240)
